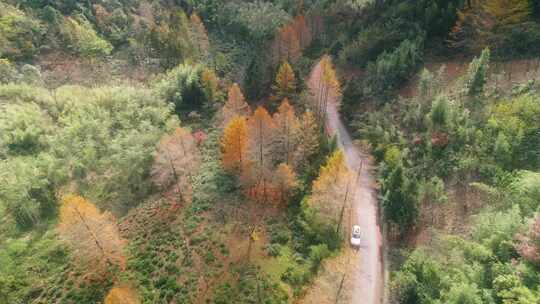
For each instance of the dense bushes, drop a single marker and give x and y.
(189, 88)
(99, 141)
(20, 34)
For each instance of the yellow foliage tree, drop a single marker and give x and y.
(122, 295)
(234, 145)
(236, 105)
(332, 190)
(92, 235)
(285, 84)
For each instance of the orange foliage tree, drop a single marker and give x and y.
(285, 182)
(287, 128)
(260, 132)
(302, 31)
(234, 145)
(92, 235)
(290, 40)
(175, 160)
(332, 190)
(236, 105)
(122, 295)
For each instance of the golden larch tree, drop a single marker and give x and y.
(307, 141)
(285, 138)
(234, 145)
(332, 190)
(285, 83)
(175, 161)
(122, 295)
(260, 132)
(236, 105)
(92, 235)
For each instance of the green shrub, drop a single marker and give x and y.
(317, 254)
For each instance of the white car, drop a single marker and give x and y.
(355, 236)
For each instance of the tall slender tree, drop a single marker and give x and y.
(287, 129)
(234, 145)
(261, 130)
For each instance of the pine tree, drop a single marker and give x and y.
(285, 84)
(400, 199)
(477, 74)
(234, 145)
(236, 105)
(93, 236)
(285, 139)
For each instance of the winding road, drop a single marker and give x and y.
(367, 275)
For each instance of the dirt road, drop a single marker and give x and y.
(367, 268)
(368, 279)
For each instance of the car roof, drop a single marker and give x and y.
(356, 228)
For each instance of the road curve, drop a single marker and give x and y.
(368, 277)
